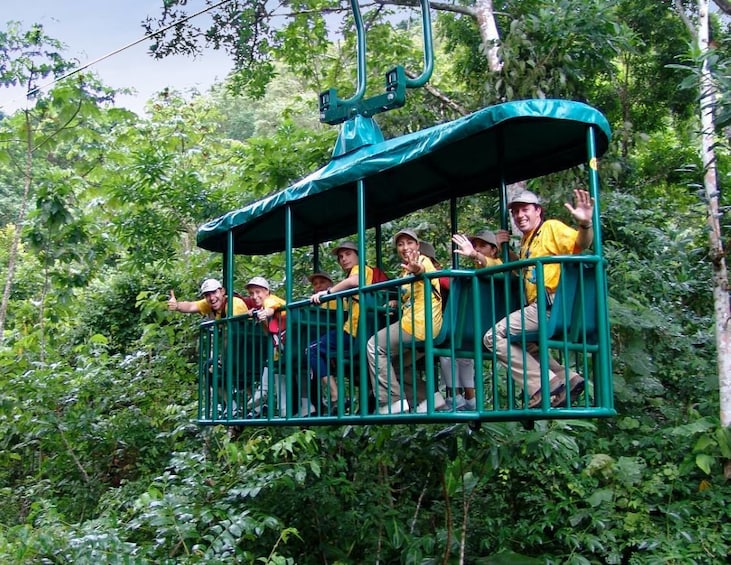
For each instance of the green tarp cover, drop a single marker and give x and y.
(515, 141)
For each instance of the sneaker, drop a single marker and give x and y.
(258, 413)
(470, 405)
(256, 398)
(576, 387)
(439, 404)
(334, 407)
(398, 407)
(454, 403)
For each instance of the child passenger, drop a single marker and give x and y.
(268, 310)
(395, 342)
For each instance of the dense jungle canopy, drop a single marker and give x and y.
(100, 458)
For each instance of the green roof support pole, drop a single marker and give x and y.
(292, 403)
(362, 318)
(228, 341)
(453, 228)
(604, 357)
(288, 255)
(228, 271)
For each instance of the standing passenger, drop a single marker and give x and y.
(541, 238)
(396, 341)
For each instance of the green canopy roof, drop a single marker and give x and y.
(514, 141)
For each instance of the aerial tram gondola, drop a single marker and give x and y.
(371, 181)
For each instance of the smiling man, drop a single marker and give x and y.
(212, 304)
(540, 238)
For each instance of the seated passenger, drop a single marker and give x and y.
(395, 342)
(541, 238)
(321, 281)
(321, 352)
(482, 248)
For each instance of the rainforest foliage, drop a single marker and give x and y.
(101, 460)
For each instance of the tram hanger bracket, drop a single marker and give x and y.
(334, 111)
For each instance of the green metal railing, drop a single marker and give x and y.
(255, 384)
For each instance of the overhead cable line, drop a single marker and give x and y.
(112, 53)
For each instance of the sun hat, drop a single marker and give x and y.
(319, 274)
(258, 281)
(485, 235)
(525, 197)
(407, 232)
(210, 285)
(345, 245)
(426, 248)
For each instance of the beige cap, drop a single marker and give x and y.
(525, 197)
(210, 285)
(407, 232)
(258, 281)
(345, 245)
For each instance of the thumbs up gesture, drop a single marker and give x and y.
(172, 302)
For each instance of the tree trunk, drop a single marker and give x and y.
(489, 33)
(12, 256)
(718, 260)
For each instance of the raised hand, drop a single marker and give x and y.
(465, 245)
(583, 211)
(411, 262)
(172, 301)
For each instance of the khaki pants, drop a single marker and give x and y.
(528, 373)
(383, 349)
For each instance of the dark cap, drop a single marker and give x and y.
(319, 274)
(426, 248)
(485, 235)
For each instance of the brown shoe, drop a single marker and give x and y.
(557, 388)
(576, 386)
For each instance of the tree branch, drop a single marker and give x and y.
(723, 5)
(442, 7)
(439, 95)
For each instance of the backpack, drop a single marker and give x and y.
(379, 275)
(247, 300)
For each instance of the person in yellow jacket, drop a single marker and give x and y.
(395, 342)
(323, 350)
(541, 238)
(212, 304)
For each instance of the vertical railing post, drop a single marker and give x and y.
(604, 393)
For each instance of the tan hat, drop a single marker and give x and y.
(485, 235)
(345, 245)
(319, 274)
(210, 285)
(426, 248)
(258, 281)
(525, 197)
(407, 232)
